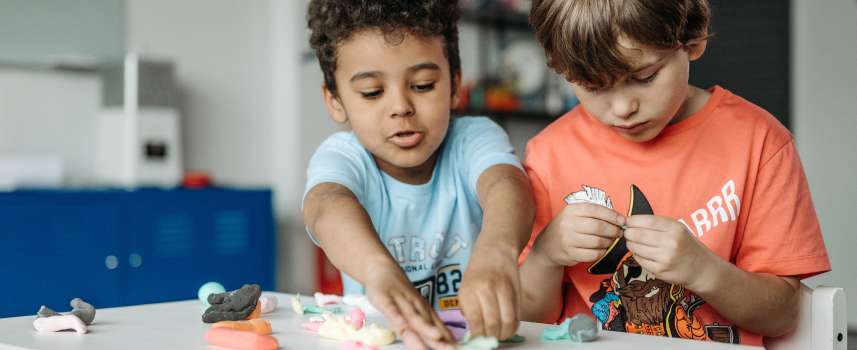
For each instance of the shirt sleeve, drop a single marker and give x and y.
(782, 235)
(481, 144)
(336, 161)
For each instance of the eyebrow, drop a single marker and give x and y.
(411, 69)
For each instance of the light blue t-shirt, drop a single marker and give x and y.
(430, 228)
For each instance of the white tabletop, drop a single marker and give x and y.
(178, 325)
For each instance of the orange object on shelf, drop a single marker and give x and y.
(258, 326)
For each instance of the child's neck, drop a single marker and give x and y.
(696, 99)
(417, 175)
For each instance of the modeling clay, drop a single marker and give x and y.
(360, 301)
(357, 318)
(258, 326)
(209, 288)
(232, 306)
(296, 304)
(582, 329)
(312, 326)
(557, 332)
(338, 328)
(240, 340)
(82, 310)
(479, 343)
(268, 302)
(59, 323)
(353, 345)
(326, 299)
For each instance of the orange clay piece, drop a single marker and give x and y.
(240, 340)
(256, 325)
(256, 312)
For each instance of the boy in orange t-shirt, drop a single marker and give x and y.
(662, 208)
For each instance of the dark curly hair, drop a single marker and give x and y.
(332, 22)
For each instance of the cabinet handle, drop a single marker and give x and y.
(135, 260)
(111, 261)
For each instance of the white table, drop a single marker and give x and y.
(178, 325)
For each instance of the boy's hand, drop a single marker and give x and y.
(581, 232)
(490, 293)
(664, 247)
(389, 290)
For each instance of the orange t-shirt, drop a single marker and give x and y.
(730, 173)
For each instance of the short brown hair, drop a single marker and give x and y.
(580, 37)
(332, 22)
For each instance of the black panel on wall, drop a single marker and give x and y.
(749, 53)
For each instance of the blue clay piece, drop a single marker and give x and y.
(209, 288)
(582, 329)
(557, 332)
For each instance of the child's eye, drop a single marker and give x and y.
(371, 94)
(423, 87)
(648, 79)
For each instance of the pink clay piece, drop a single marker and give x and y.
(355, 345)
(357, 318)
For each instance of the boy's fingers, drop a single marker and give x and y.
(473, 314)
(597, 227)
(416, 322)
(642, 236)
(445, 334)
(642, 251)
(596, 211)
(651, 222)
(391, 312)
(594, 242)
(490, 315)
(507, 300)
(586, 255)
(411, 340)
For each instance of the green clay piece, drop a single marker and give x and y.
(320, 310)
(517, 338)
(557, 332)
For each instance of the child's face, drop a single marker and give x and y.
(655, 95)
(396, 97)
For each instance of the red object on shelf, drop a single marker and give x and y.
(196, 179)
(329, 279)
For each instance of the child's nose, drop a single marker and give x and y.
(401, 105)
(624, 106)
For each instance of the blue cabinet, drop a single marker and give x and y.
(116, 247)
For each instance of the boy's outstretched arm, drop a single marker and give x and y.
(758, 302)
(345, 232)
(490, 291)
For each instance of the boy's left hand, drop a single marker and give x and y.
(490, 294)
(665, 248)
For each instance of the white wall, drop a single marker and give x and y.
(50, 113)
(223, 62)
(238, 67)
(825, 125)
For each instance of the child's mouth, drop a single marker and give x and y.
(406, 139)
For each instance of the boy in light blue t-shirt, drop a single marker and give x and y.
(420, 212)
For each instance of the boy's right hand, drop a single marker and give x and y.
(581, 232)
(410, 316)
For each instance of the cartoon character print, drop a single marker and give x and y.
(633, 300)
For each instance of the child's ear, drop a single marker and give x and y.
(456, 95)
(333, 105)
(696, 49)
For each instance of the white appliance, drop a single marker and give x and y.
(138, 138)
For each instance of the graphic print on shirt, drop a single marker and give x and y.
(435, 268)
(633, 300)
